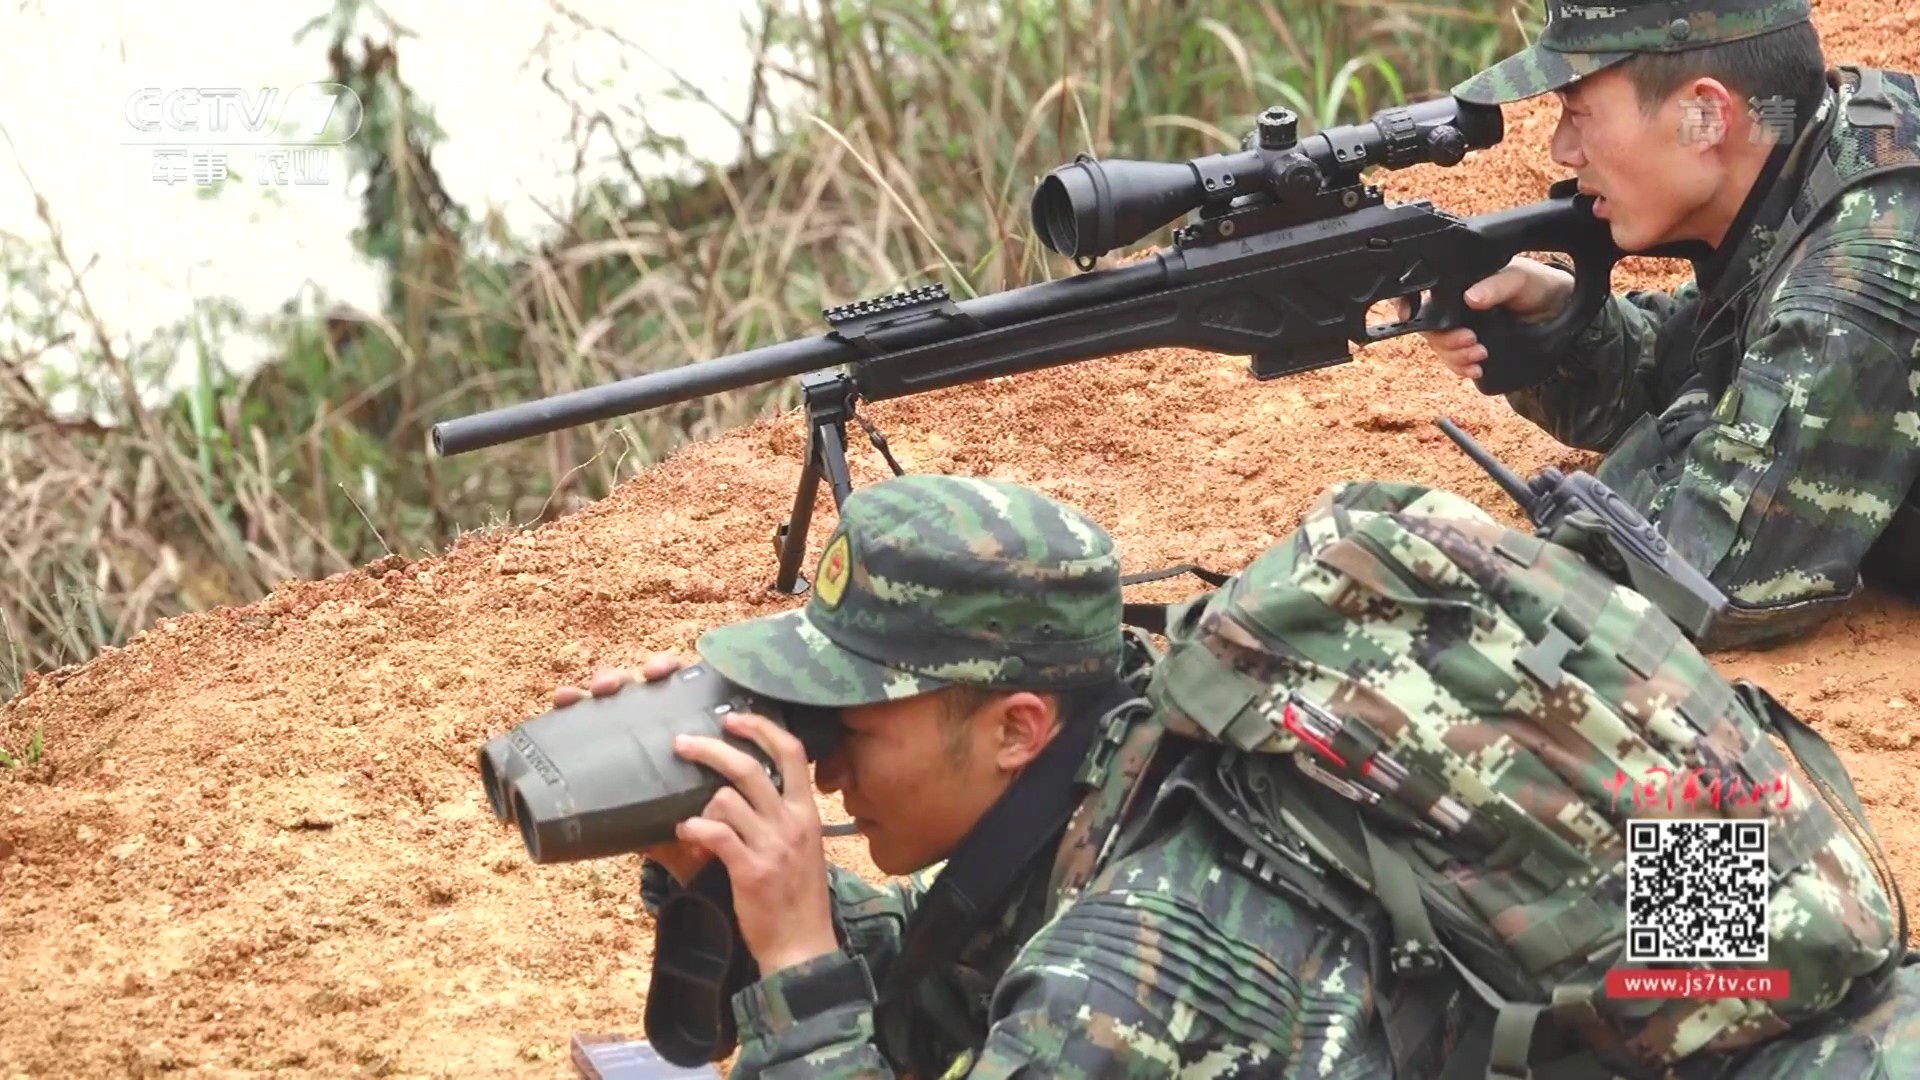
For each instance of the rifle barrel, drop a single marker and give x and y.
(785, 359)
(638, 393)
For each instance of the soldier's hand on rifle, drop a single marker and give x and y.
(1533, 291)
(683, 860)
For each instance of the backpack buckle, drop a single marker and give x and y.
(1413, 959)
(1565, 635)
(1113, 735)
(1344, 788)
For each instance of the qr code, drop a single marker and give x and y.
(1697, 891)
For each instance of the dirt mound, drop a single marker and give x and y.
(263, 845)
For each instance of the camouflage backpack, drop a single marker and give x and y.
(1446, 709)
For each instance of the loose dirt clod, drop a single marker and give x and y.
(257, 841)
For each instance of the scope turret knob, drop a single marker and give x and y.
(1279, 128)
(1296, 175)
(1446, 145)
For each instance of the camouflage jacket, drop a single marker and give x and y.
(1766, 414)
(1146, 939)
(1174, 956)
(819, 1019)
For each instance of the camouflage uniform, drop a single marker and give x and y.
(1168, 954)
(1883, 1044)
(1510, 680)
(1766, 414)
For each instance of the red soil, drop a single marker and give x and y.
(259, 842)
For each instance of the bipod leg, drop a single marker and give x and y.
(790, 540)
(829, 402)
(833, 461)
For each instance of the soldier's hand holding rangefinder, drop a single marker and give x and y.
(598, 776)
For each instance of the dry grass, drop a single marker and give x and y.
(923, 129)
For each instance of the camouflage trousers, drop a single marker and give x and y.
(1880, 1044)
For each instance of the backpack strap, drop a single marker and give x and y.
(1510, 1054)
(1211, 577)
(1413, 953)
(1866, 107)
(1130, 739)
(1830, 777)
(1412, 1015)
(1416, 948)
(1417, 952)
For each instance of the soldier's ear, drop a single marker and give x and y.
(1025, 722)
(1709, 113)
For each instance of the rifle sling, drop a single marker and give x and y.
(1153, 617)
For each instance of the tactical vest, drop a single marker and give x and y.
(1871, 128)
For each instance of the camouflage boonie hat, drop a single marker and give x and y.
(929, 580)
(1582, 38)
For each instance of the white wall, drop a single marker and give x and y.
(67, 68)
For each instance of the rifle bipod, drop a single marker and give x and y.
(829, 397)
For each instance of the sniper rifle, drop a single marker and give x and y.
(1285, 250)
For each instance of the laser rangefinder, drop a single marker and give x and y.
(600, 778)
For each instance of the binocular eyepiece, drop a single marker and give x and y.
(600, 778)
(1085, 209)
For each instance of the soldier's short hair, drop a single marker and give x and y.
(1073, 705)
(1787, 63)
